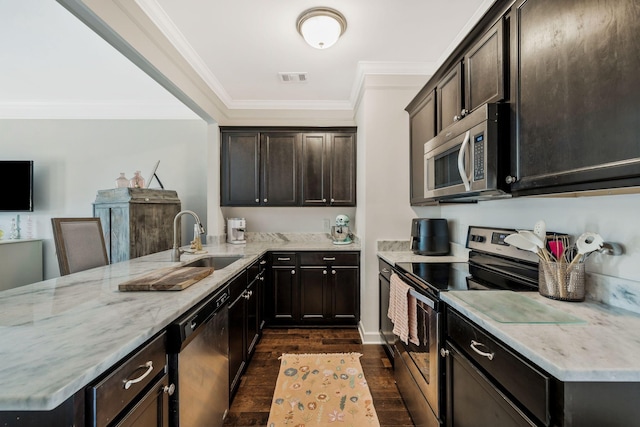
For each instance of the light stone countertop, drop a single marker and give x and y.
(59, 335)
(605, 346)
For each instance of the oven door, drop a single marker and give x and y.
(417, 365)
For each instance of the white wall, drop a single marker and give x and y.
(613, 217)
(383, 180)
(73, 159)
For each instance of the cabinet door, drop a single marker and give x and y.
(422, 122)
(284, 287)
(342, 169)
(253, 327)
(315, 295)
(345, 295)
(240, 169)
(472, 400)
(280, 175)
(315, 169)
(237, 350)
(577, 113)
(153, 408)
(149, 227)
(484, 69)
(449, 96)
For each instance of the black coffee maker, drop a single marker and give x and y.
(430, 236)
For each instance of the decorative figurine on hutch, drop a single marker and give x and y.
(340, 231)
(137, 181)
(122, 181)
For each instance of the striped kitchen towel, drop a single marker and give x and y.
(403, 311)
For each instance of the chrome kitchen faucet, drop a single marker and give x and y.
(176, 251)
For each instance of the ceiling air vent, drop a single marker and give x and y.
(293, 77)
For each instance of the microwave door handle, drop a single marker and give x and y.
(461, 169)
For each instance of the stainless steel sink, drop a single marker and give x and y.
(218, 262)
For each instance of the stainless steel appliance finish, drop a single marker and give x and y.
(470, 159)
(493, 264)
(199, 364)
(417, 366)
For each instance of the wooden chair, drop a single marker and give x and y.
(79, 244)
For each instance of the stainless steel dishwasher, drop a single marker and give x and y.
(198, 347)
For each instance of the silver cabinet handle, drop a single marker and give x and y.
(263, 262)
(265, 200)
(386, 270)
(481, 353)
(324, 271)
(169, 389)
(333, 200)
(257, 200)
(293, 272)
(326, 258)
(129, 383)
(284, 259)
(444, 352)
(333, 272)
(324, 200)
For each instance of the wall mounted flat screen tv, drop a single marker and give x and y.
(17, 177)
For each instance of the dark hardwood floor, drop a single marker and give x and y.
(251, 405)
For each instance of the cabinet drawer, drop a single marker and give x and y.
(329, 258)
(384, 268)
(107, 398)
(512, 373)
(283, 258)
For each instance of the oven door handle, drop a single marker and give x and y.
(422, 298)
(461, 168)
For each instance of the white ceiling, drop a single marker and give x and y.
(238, 47)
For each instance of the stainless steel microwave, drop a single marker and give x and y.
(469, 160)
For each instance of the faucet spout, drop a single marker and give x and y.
(176, 251)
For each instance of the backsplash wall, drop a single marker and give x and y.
(614, 280)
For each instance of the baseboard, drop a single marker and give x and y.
(369, 337)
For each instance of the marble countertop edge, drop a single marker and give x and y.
(576, 352)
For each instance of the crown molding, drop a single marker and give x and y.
(86, 110)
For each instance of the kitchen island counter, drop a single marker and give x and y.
(59, 335)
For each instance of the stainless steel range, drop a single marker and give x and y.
(418, 364)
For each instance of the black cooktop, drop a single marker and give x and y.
(493, 264)
(436, 276)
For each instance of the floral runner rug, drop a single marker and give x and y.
(322, 390)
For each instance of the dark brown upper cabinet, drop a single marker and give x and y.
(477, 79)
(267, 167)
(484, 69)
(240, 168)
(576, 73)
(449, 97)
(328, 169)
(422, 123)
(279, 151)
(259, 169)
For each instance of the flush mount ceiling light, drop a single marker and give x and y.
(321, 27)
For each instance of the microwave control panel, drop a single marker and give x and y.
(478, 157)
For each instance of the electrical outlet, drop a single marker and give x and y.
(326, 223)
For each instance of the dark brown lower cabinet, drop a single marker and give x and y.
(153, 408)
(489, 384)
(315, 289)
(238, 314)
